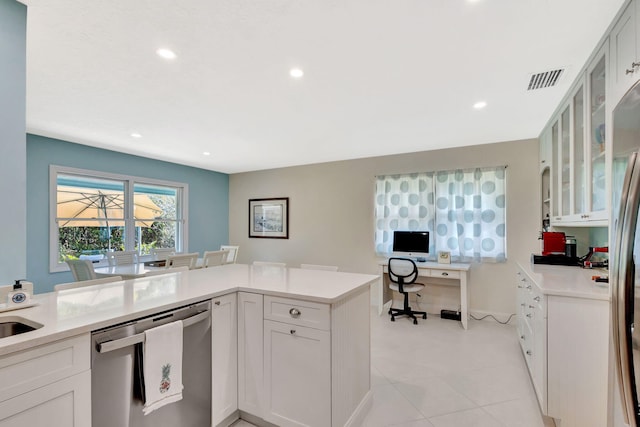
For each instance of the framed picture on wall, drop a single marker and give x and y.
(269, 218)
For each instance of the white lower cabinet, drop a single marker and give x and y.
(297, 368)
(47, 385)
(250, 349)
(224, 364)
(564, 341)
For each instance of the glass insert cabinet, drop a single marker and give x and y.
(577, 139)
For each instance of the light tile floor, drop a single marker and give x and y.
(435, 374)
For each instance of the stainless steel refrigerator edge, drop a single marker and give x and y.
(625, 242)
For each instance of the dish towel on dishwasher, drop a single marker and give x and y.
(162, 366)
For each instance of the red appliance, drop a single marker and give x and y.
(553, 243)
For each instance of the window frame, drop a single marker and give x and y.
(129, 181)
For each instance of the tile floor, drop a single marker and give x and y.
(436, 374)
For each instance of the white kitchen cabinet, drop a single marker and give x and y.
(297, 364)
(545, 150)
(580, 169)
(564, 341)
(224, 364)
(625, 58)
(46, 383)
(250, 351)
(318, 353)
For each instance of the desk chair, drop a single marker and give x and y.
(71, 285)
(403, 273)
(179, 260)
(232, 256)
(122, 257)
(214, 258)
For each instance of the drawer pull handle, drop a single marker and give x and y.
(292, 331)
(529, 353)
(445, 273)
(529, 315)
(532, 306)
(529, 287)
(522, 305)
(520, 286)
(217, 303)
(295, 313)
(537, 299)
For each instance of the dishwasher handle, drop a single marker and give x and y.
(107, 346)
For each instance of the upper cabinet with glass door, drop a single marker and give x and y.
(579, 156)
(625, 52)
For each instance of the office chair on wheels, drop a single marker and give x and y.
(403, 273)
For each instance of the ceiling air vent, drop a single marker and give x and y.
(545, 79)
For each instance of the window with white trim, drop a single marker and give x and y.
(93, 213)
(463, 210)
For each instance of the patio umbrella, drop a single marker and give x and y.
(88, 207)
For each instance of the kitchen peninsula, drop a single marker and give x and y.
(46, 372)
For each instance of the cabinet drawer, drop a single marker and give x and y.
(303, 313)
(27, 370)
(446, 274)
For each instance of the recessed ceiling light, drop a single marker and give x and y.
(296, 73)
(136, 135)
(479, 105)
(166, 53)
(206, 153)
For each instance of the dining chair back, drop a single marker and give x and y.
(319, 267)
(179, 260)
(269, 263)
(232, 254)
(82, 269)
(214, 258)
(169, 270)
(122, 257)
(83, 283)
(162, 253)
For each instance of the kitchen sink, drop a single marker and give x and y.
(14, 325)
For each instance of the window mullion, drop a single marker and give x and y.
(129, 222)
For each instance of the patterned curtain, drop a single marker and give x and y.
(471, 214)
(463, 210)
(403, 202)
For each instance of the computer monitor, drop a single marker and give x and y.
(414, 244)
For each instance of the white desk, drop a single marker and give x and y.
(126, 271)
(454, 271)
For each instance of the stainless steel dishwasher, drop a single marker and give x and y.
(113, 375)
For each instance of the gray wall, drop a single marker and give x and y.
(13, 175)
(331, 214)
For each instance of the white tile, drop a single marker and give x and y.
(492, 385)
(516, 413)
(470, 418)
(434, 397)
(389, 407)
(419, 423)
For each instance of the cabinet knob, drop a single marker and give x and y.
(537, 299)
(529, 287)
(292, 331)
(295, 313)
(631, 71)
(529, 353)
(523, 304)
(217, 303)
(529, 315)
(532, 306)
(522, 337)
(542, 161)
(520, 287)
(444, 273)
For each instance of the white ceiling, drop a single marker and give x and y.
(381, 76)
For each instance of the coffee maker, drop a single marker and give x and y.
(557, 249)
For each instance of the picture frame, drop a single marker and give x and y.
(269, 218)
(444, 257)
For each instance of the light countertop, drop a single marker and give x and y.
(81, 310)
(567, 281)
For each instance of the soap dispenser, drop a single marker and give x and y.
(18, 295)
